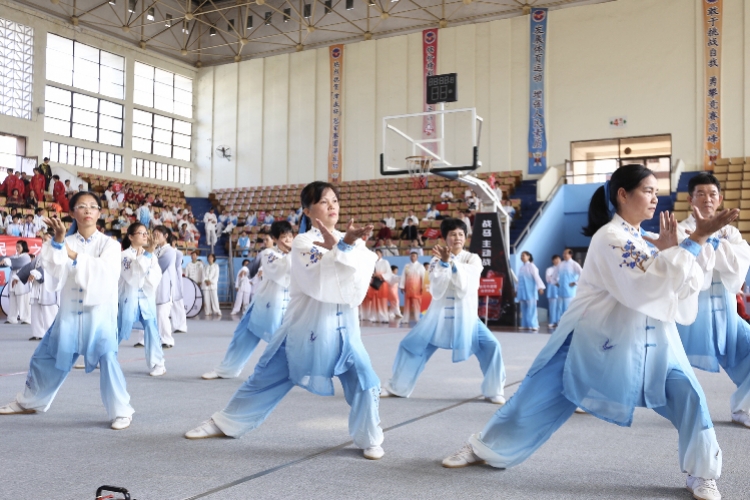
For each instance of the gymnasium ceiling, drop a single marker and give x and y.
(208, 32)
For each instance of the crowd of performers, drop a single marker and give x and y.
(631, 324)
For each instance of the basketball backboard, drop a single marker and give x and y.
(449, 137)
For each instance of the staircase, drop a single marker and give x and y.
(526, 192)
(199, 207)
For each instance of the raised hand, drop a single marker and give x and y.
(58, 227)
(442, 252)
(705, 227)
(150, 244)
(329, 240)
(667, 232)
(353, 233)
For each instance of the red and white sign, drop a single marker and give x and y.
(429, 61)
(491, 287)
(8, 245)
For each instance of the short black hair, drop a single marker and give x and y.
(701, 179)
(165, 231)
(280, 227)
(556, 257)
(24, 246)
(451, 224)
(246, 262)
(54, 176)
(531, 257)
(394, 269)
(45, 159)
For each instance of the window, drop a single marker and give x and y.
(82, 157)
(83, 117)
(85, 67)
(156, 88)
(16, 62)
(159, 135)
(160, 171)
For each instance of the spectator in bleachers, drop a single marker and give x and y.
(466, 220)
(446, 195)
(472, 203)
(15, 200)
(468, 193)
(58, 193)
(9, 217)
(14, 228)
(293, 218)
(120, 222)
(7, 183)
(390, 249)
(69, 191)
(130, 196)
(109, 195)
(38, 184)
(243, 245)
(3, 215)
(384, 232)
(409, 228)
(184, 233)
(158, 201)
(432, 213)
(268, 221)
(390, 221)
(20, 184)
(46, 171)
(251, 220)
(222, 221)
(209, 224)
(29, 229)
(39, 219)
(415, 248)
(80, 188)
(143, 214)
(234, 219)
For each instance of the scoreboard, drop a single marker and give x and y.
(442, 88)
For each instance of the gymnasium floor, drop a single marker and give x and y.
(303, 450)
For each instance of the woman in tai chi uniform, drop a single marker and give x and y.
(83, 267)
(319, 337)
(617, 347)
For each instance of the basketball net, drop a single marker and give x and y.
(418, 167)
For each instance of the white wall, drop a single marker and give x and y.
(33, 129)
(635, 58)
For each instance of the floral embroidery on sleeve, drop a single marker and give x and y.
(633, 257)
(314, 254)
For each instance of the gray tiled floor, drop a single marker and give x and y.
(298, 453)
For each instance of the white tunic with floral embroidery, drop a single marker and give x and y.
(624, 339)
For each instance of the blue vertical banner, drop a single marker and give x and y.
(537, 133)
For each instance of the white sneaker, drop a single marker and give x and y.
(15, 409)
(399, 315)
(373, 453)
(121, 423)
(498, 400)
(703, 489)
(207, 429)
(580, 411)
(462, 458)
(741, 417)
(158, 371)
(212, 375)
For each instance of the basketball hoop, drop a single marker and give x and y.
(418, 168)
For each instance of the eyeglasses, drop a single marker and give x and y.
(93, 208)
(140, 233)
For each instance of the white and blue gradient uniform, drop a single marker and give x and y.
(451, 322)
(86, 323)
(264, 315)
(44, 302)
(527, 293)
(319, 338)
(568, 271)
(553, 294)
(139, 278)
(719, 337)
(616, 348)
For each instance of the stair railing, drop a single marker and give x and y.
(537, 214)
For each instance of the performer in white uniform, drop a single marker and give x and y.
(194, 269)
(267, 309)
(617, 347)
(319, 337)
(44, 302)
(166, 255)
(210, 287)
(719, 337)
(244, 288)
(177, 314)
(379, 309)
(19, 292)
(451, 321)
(83, 267)
(139, 278)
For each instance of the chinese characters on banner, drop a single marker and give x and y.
(335, 145)
(537, 134)
(429, 59)
(712, 12)
(487, 242)
(8, 245)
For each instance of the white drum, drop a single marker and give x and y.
(192, 297)
(5, 299)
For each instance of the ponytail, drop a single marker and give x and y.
(598, 213)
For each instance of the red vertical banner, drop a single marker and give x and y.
(335, 156)
(429, 60)
(712, 14)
